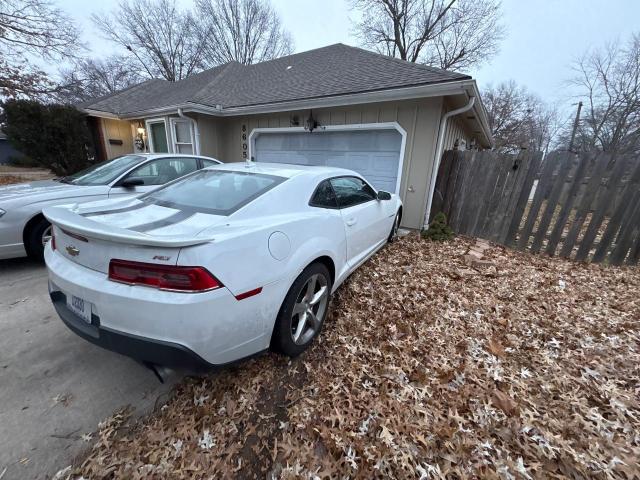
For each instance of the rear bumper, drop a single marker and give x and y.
(139, 348)
(166, 328)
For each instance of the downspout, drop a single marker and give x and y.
(439, 148)
(196, 130)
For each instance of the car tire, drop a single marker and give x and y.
(301, 305)
(36, 237)
(394, 229)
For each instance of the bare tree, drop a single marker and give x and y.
(609, 80)
(245, 31)
(32, 27)
(519, 119)
(92, 78)
(162, 39)
(449, 34)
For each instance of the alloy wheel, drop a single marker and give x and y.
(46, 235)
(309, 309)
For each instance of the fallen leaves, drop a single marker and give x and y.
(527, 368)
(10, 179)
(505, 403)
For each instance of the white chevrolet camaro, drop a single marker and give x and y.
(25, 231)
(216, 266)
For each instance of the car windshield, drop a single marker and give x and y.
(105, 172)
(213, 191)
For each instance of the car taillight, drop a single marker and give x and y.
(53, 238)
(163, 277)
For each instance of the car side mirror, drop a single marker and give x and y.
(382, 195)
(132, 182)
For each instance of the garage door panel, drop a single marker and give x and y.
(375, 154)
(385, 164)
(383, 183)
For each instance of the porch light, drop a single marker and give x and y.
(140, 129)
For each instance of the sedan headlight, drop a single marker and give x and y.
(2, 212)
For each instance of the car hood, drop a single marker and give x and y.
(43, 190)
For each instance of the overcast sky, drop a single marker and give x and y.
(543, 36)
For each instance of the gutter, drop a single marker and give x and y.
(439, 148)
(420, 91)
(196, 130)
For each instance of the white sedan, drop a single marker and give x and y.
(23, 228)
(217, 266)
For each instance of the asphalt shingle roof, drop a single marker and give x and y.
(334, 70)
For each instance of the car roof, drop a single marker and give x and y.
(284, 169)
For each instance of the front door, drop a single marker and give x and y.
(363, 217)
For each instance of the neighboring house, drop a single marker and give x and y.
(336, 105)
(7, 152)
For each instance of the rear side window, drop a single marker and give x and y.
(324, 196)
(208, 163)
(213, 191)
(352, 191)
(164, 170)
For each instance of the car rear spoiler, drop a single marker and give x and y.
(64, 218)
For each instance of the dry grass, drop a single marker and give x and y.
(426, 369)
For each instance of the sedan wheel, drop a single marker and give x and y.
(36, 237)
(303, 311)
(46, 236)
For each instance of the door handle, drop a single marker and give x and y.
(351, 222)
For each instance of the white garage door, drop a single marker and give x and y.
(374, 154)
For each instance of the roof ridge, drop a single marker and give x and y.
(221, 66)
(225, 68)
(406, 62)
(294, 54)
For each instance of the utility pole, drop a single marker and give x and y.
(575, 127)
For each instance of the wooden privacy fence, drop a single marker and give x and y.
(585, 207)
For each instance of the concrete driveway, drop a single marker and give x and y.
(54, 386)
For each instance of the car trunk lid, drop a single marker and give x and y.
(128, 230)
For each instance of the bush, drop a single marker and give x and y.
(438, 230)
(53, 136)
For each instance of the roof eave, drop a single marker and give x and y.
(453, 87)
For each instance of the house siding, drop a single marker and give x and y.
(223, 139)
(455, 130)
(117, 130)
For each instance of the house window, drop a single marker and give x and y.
(182, 131)
(157, 129)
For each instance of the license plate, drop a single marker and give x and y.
(80, 307)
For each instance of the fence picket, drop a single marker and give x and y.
(625, 209)
(542, 190)
(602, 164)
(532, 165)
(556, 233)
(484, 196)
(600, 209)
(564, 166)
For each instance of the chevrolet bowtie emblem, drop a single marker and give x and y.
(73, 251)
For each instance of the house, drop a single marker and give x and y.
(383, 117)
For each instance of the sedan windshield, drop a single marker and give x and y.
(213, 191)
(105, 172)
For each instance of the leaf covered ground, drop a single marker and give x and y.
(426, 368)
(9, 179)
